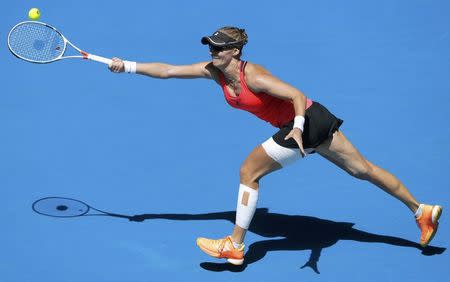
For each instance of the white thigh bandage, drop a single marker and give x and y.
(246, 206)
(282, 155)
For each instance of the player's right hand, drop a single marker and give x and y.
(116, 65)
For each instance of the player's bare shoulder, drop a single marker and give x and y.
(213, 72)
(255, 75)
(207, 69)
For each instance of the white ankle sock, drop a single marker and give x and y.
(419, 211)
(236, 245)
(246, 206)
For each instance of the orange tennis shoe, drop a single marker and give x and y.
(222, 248)
(428, 223)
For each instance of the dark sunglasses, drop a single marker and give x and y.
(217, 49)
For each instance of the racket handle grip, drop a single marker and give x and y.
(99, 59)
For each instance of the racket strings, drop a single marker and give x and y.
(36, 42)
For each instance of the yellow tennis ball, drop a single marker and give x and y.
(34, 14)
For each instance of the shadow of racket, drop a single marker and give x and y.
(67, 208)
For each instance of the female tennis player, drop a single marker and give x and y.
(304, 127)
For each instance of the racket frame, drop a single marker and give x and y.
(84, 55)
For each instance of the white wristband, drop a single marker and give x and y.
(299, 122)
(130, 67)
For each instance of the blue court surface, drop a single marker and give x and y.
(166, 153)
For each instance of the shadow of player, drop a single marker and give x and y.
(297, 232)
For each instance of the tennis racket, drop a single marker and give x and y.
(67, 207)
(38, 42)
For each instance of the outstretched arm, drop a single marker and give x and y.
(161, 70)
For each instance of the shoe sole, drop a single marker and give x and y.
(236, 261)
(435, 215)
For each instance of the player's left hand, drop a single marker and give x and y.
(296, 133)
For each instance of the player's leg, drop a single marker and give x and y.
(264, 159)
(341, 152)
(255, 166)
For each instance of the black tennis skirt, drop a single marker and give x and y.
(320, 124)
